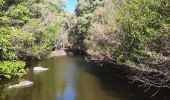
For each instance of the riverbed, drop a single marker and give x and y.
(71, 78)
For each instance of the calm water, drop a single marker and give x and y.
(69, 78)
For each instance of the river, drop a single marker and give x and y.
(71, 78)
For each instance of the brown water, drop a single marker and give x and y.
(69, 78)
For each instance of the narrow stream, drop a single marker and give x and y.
(69, 78)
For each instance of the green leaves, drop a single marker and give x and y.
(20, 12)
(12, 40)
(131, 29)
(12, 68)
(84, 12)
(28, 28)
(2, 2)
(141, 23)
(4, 20)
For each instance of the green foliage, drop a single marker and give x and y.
(141, 22)
(86, 6)
(12, 41)
(34, 26)
(84, 12)
(27, 29)
(123, 30)
(20, 12)
(4, 20)
(45, 41)
(2, 2)
(58, 7)
(95, 27)
(12, 68)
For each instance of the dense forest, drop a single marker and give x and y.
(29, 29)
(132, 33)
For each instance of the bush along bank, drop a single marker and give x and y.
(134, 33)
(28, 29)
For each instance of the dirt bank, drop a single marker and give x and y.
(57, 53)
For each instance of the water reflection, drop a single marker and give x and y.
(65, 83)
(69, 79)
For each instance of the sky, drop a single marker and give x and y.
(71, 4)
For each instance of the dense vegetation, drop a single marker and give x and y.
(28, 29)
(135, 33)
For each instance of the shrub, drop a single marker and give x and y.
(12, 68)
(20, 12)
(141, 22)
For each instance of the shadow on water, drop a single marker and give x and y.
(115, 83)
(70, 78)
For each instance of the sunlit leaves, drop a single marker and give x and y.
(2, 2)
(141, 23)
(20, 12)
(14, 68)
(28, 28)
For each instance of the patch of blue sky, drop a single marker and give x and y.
(71, 5)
